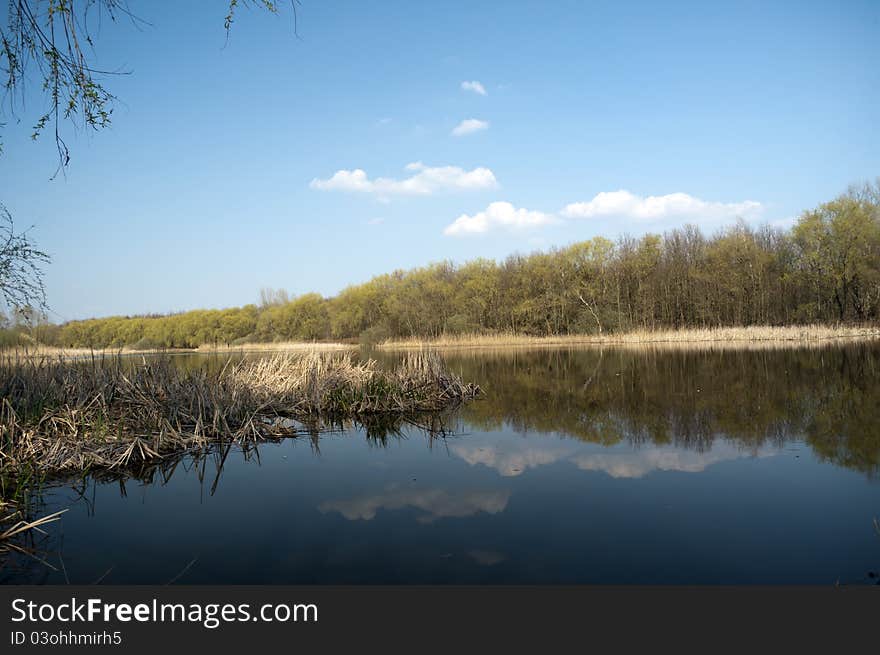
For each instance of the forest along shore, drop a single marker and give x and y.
(824, 270)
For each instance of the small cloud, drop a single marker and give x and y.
(498, 215)
(469, 126)
(474, 86)
(376, 221)
(433, 504)
(511, 459)
(425, 181)
(638, 463)
(487, 557)
(344, 180)
(623, 204)
(383, 121)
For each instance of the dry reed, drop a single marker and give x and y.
(277, 346)
(722, 337)
(62, 416)
(39, 351)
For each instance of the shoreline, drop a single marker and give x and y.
(794, 336)
(56, 352)
(757, 336)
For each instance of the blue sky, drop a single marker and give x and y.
(315, 161)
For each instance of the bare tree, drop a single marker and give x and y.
(21, 279)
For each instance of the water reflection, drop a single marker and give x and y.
(829, 397)
(433, 503)
(512, 457)
(578, 466)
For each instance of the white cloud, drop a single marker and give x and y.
(498, 214)
(433, 503)
(474, 86)
(638, 463)
(624, 204)
(376, 221)
(513, 457)
(425, 181)
(469, 126)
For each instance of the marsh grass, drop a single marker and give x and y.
(38, 351)
(751, 337)
(62, 416)
(277, 346)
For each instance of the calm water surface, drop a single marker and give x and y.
(580, 466)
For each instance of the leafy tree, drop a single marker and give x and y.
(826, 269)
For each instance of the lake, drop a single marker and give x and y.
(577, 466)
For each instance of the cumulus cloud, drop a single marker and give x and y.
(469, 126)
(424, 181)
(638, 463)
(513, 457)
(474, 86)
(624, 204)
(498, 215)
(432, 503)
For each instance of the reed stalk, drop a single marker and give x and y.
(62, 416)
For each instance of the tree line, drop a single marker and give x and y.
(824, 269)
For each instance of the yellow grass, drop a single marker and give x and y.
(56, 415)
(725, 337)
(52, 352)
(285, 346)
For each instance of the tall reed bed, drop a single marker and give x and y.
(60, 416)
(715, 338)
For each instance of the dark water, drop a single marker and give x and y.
(577, 467)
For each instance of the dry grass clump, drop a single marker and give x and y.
(59, 415)
(13, 525)
(722, 337)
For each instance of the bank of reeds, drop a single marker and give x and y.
(277, 346)
(66, 416)
(722, 337)
(40, 351)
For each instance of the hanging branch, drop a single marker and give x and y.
(21, 279)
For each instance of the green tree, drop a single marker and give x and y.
(839, 244)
